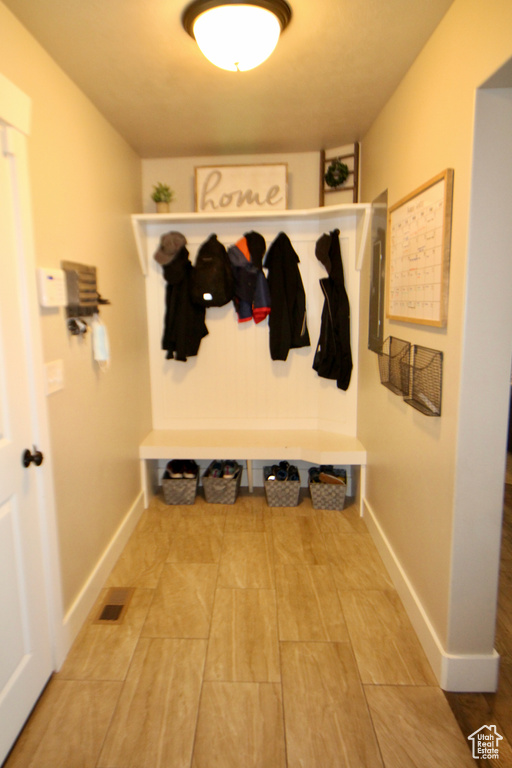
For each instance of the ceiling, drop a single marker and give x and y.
(334, 68)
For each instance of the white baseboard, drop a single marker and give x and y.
(459, 673)
(471, 673)
(83, 603)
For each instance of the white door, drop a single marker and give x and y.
(25, 645)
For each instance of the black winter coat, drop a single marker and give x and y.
(184, 324)
(333, 356)
(287, 320)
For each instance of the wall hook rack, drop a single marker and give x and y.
(82, 290)
(76, 326)
(103, 301)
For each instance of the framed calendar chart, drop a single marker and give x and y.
(418, 264)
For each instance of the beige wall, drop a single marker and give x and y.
(425, 127)
(178, 173)
(303, 177)
(85, 183)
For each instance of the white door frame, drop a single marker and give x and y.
(484, 392)
(15, 111)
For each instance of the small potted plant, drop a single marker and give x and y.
(162, 195)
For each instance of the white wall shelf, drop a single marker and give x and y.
(146, 223)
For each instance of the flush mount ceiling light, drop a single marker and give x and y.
(236, 35)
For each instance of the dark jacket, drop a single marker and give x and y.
(333, 356)
(252, 295)
(287, 321)
(184, 324)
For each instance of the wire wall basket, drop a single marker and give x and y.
(422, 380)
(393, 354)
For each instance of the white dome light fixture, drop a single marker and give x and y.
(236, 35)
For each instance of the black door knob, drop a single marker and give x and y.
(29, 458)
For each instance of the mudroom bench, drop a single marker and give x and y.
(315, 446)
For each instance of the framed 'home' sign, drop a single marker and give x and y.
(223, 188)
(418, 263)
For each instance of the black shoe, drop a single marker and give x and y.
(293, 473)
(271, 472)
(190, 470)
(314, 475)
(175, 469)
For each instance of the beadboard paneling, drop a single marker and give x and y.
(232, 382)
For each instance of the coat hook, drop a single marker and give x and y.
(77, 327)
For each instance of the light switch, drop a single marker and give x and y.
(54, 376)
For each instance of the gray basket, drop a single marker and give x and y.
(282, 493)
(180, 490)
(327, 495)
(221, 490)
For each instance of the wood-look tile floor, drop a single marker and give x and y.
(255, 638)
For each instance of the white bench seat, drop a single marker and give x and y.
(315, 446)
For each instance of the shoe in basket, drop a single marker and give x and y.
(215, 469)
(230, 469)
(189, 470)
(175, 469)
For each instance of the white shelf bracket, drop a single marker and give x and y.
(140, 242)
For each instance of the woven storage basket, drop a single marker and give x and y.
(327, 495)
(221, 490)
(282, 493)
(180, 491)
